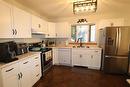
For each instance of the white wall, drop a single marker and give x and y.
(101, 20)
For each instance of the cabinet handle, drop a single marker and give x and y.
(25, 62)
(96, 51)
(15, 32)
(37, 75)
(36, 58)
(9, 70)
(18, 76)
(80, 56)
(21, 75)
(39, 25)
(37, 65)
(92, 56)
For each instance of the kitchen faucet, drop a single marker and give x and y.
(80, 40)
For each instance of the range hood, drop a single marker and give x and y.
(37, 32)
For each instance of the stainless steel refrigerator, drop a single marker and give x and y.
(115, 42)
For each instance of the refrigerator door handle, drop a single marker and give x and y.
(115, 56)
(117, 40)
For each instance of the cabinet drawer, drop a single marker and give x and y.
(96, 51)
(10, 70)
(25, 63)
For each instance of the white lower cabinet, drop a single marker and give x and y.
(64, 56)
(22, 74)
(90, 58)
(25, 73)
(9, 76)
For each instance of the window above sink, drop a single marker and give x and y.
(85, 32)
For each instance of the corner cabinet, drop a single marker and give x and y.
(90, 58)
(64, 56)
(21, 74)
(51, 33)
(14, 23)
(62, 30)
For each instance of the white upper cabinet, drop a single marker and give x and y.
(62, 30)
(14, 23)
(39, 26)
(51, 30)
(22, 23)
(5, 21)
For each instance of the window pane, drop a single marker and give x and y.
(93, 33)
(82, 32)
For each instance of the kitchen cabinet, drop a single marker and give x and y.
(15, 23)
(10, 76)
(21, 23)
(90, 58)
(21, 74)
(55, 56)
(64, 56)
(6, 30)
(36, 70)
(39, 26)
(62, 30)
(25, 72)
(51, 30)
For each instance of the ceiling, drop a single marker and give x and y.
(63, 8)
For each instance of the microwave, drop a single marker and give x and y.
(8, 52)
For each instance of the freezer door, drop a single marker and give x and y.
(111, 40)
(115, 64)
(123, 41)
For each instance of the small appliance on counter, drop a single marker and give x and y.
(8, 52)
(21, 48)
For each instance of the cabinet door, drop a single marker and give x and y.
(44, 26)
(96, 59)
(86, 60)
(25, 72)
(55, 56)
(5, 22)
(76, 60)
(10, 76)
(51, 30)
(64, 56)
(62, 29)
(22, 23)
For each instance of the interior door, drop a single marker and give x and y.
(111, 40)
(124, 41)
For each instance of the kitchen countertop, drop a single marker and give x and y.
(20, 58)
(76, 47)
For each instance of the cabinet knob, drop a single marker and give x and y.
(80, 55)
(91, 56)
(39, 25)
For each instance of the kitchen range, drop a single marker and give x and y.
(46, 55)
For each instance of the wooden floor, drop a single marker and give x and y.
(60, 76)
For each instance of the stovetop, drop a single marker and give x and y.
(37, 49)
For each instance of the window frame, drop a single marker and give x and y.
(89, 40)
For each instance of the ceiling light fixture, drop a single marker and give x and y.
(84, 6)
